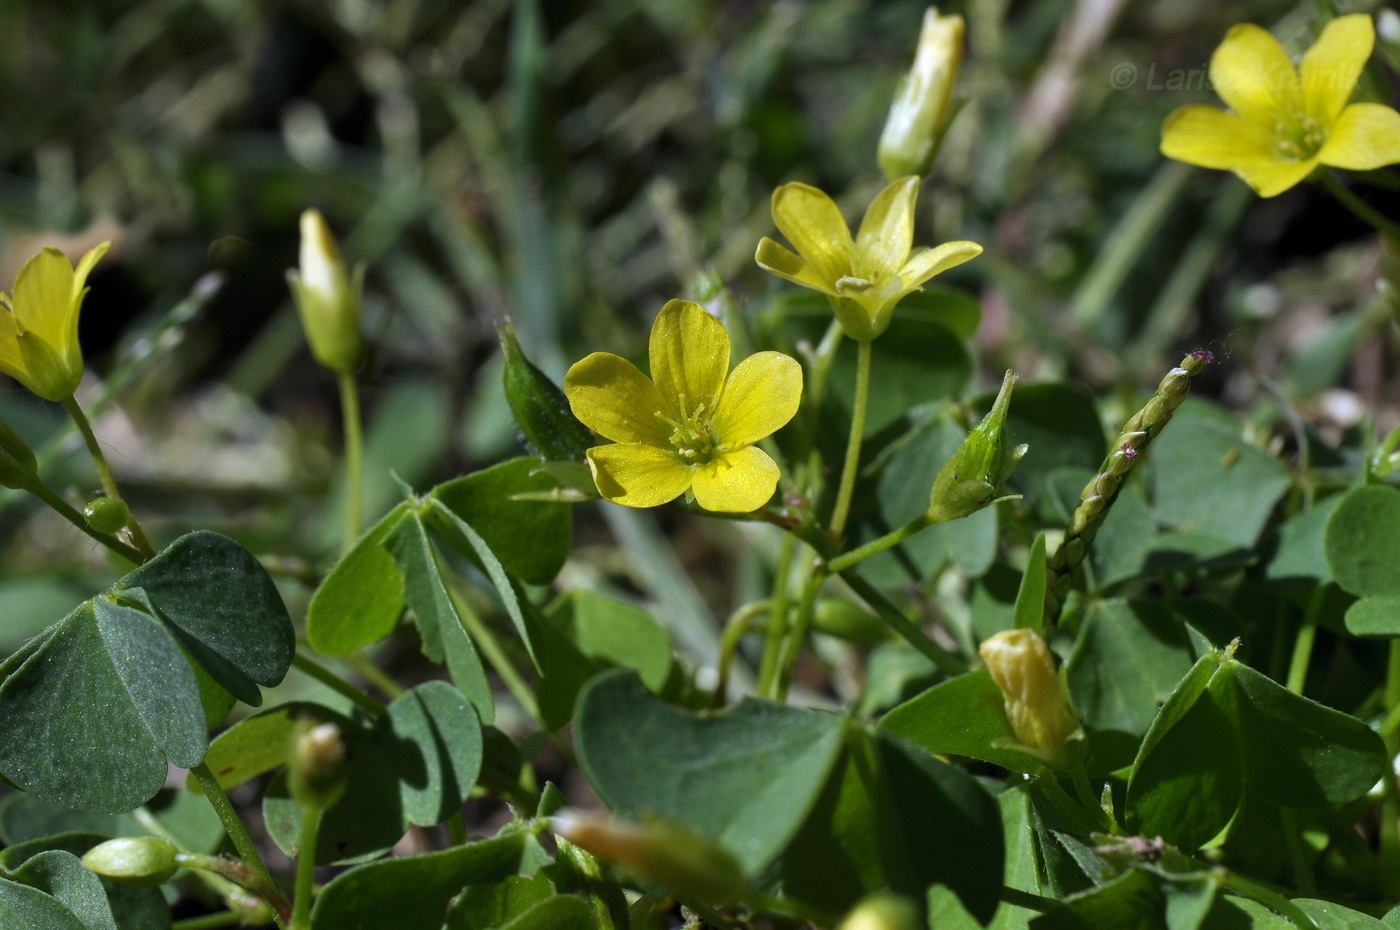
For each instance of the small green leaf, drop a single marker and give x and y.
(1299, 556)
(260, 743)
(539, 406)
(412, 892)
(1329, 915)
(498, 903)
(531, 538)
(562, 912)
(745, 777)
(1030, 599)
(441, 627)
(1374, 616)
(361, 599)
(1363, 541)
(223, 607)
(61, 875)
(963, 716)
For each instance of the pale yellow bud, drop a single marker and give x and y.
(1022, 667)
(923, 105)
(883, 911)
(143, 861)
(316, 768)
(327, 297)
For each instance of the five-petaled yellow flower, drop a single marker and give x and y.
(1287, 120)
(864, 277)
(39, 324)
(691, 427)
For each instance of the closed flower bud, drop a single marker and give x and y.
(316, 769)
(658, 851)
(1022, 667)
(327, 297)
(883, 911)
(18, 469)
(970, 479)
(143, 861)
(923, 105)
(106, 514)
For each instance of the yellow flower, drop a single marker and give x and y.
(1287, 120)
(39, 324)
(690, 428)
(864, 277)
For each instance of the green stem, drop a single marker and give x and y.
(739, 623)
(1031, 902)
(242, 842)
(1297, 856)
(848, 472)
(1303, 643)
(792, 645)
(486, 640)
(41, 491)
(1363, 211)
(306, 868)
(375, 675)
(337, 684)
(354, 458)
(1050, 785)
(104, 474)
(876, 546)
(777, 618)
(208, 921)
(1389, 855)
(944, 660)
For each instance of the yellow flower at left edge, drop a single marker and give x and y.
(39, 323)
(691, 427)
(1287, 120)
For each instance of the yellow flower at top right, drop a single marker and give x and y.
(1286, 120)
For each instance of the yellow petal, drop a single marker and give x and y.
(1365, 136)
(689, 354)
(11, 362)
(761, 395)
(46, 372)
(775, 259)
(815, 227)
(73, 353)
(614, 399)
(1254, 75)
(736, 482)
(638, 475)
(1274, 177)
(925, 263)
(44, 296)
(1212, 138)
(1332, 66)
(887, 230)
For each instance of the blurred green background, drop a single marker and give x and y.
(572, 165)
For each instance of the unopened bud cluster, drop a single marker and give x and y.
(1098, 495)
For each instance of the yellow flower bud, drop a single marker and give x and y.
(327, 297)
(883, 911)
(1022, 667)
(142, 861)
(316, 770)
(923, 105)
(659, 851)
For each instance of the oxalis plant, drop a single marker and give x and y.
(978, 684)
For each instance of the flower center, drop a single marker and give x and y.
(1299, 137)
(694, 438)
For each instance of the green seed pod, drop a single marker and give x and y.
(107, 514)
(540, 408)
(143, 861)
(659, 851)
(970, 479)
(18, 469)
(845, 620)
